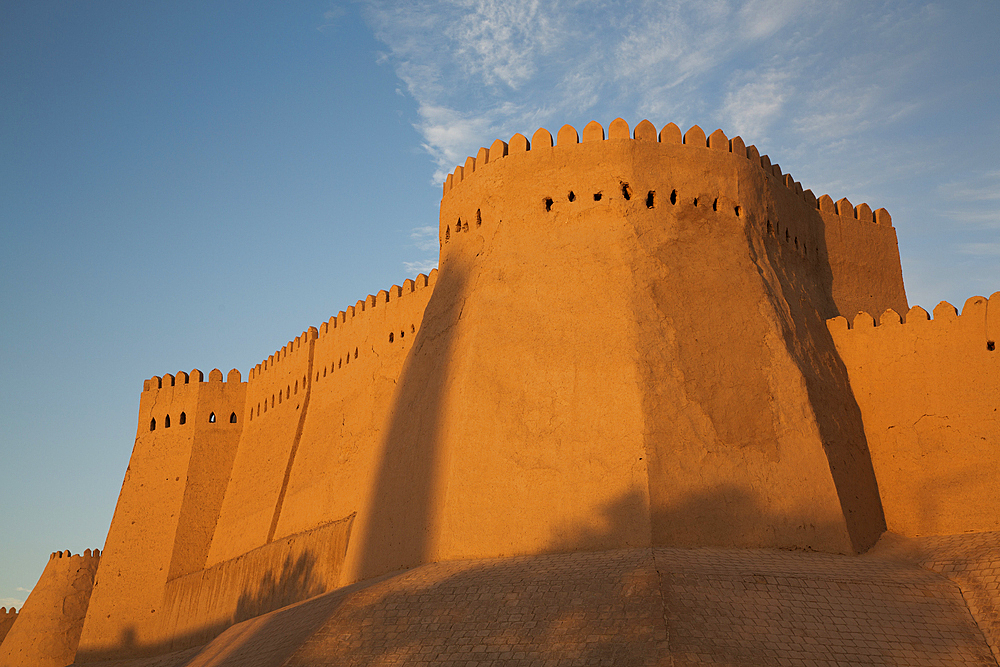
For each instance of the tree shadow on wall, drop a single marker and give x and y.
(294, 582)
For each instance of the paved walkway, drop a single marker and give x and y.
(637, 607)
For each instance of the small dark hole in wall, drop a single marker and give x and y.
(390, 336)
(465, 226)
(991, 345)
(597, 196)
(572, 196)
(787, 235)
(232, 418)
(340, 363)
(458, 226)
(673, 197)
(548, 203)
(695, 201)
(626, 192)
(796, 242)
(183, 419)
(413, 329)
(211, 418)
(152, 424)
(479, 218)
(715, 204)
(769, 230)
(166, 422)
(447, 234)
(650, 199)
(402, 334)
(737, 211)
(355, 353)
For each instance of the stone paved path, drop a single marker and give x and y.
(636, 607)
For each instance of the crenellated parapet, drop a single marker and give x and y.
(669, 137)
(977, 320)
(181, 399)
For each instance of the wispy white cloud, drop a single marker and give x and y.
(413, 268)
(988, 249)
(425, 238)
(11, 602)
(482, 69)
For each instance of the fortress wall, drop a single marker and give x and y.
(160, 487)
(358, 360)
(48, 628)
(277, 398)
(928, 391)
(218, 425)
(678, 380)
(7, 618)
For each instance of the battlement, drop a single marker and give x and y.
(7, 613)
(87, 555)
(409, 286)
(694, 139)
(183, 378)
(976, 315)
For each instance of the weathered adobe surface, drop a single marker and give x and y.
(928, 391)
(625, 347)
(47, 630)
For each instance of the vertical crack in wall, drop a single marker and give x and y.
(295, 443)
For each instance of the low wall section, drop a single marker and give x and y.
(199, 606)
(7, 618)
(929, 390)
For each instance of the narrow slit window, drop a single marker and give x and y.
(650, 199)
(183, 419)
(626, 193)
(479, 218)
(991, 345)
(152, 424)
(166, 422)
(673, 196)
(571, 196)
(548, 203)
(211, 418)
(390, 336)
(232, 418)
(598, 196)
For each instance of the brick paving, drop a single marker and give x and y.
(973, 562)
(631, 607)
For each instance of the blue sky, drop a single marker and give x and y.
(193, 184)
